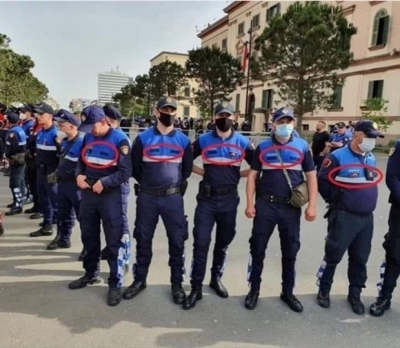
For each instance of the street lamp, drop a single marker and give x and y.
(250, 32)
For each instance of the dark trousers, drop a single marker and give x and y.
(208, 213)
(32, 182)
(47, 194)
(148, 210)
(17, 184)
(318, 162)
(392, 247)
(268, 215)
(352, 233)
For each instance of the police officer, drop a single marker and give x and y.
(161, 173)
(349, 208)
(339, 138)
(217, 200)
(185, 126)
(390, 270)
(46, 164)
(273, 204)
(69, 194)
(15, 153)
(102, 200)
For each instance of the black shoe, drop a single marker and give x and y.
(10, 205)
(292, 301)
(356, 305)
(1, 230)
(136, 287)
(53, 223)
(36, 216)
(104, 254)
(251, 299)
(13, 211)
(84, 281)
(323, 300)
(178, 294)
(82, 255)
(195, 295)
(219, 288)
(43, 231)
(114, 297)
(378, 308)
(32, 210)
(58, 244)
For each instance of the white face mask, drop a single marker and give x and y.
(367, 145)
(22, 116)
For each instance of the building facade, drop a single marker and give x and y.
(185, 97)
(109, 84)
(79, 104)
(375, 72)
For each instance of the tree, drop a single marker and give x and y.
(125, 100)
(217, 74)
(167, 78)
(300, 52)
(374, 109)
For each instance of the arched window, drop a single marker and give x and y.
(381, 28)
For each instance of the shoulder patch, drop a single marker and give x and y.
(326, 163)
(124, 149)
(391, 151)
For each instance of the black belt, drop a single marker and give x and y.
(274, 199)
(161, 192)
(219, 191)
(67, 179)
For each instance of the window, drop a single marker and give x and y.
(337, 97)
(214, 46)
(241, 28)
(237, 101)
(255, 22)
(172, 90)
(224, 44)
(375, 89)
(273, 11)
(187, 92)
(267, 98)
(306, 127)
(186, 111)
(381, 28)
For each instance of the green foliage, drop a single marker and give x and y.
(167, 78)
(300, 50)
(375, 108)
(217, 73)
(17, 82)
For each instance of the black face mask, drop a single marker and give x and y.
(223, 124)
(166, 119)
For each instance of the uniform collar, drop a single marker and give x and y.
(276, 142)
(170, 134)
(48, 129)
(13, 126)
(215, 134)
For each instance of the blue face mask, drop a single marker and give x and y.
(284, 130)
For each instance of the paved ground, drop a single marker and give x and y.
(37, 309)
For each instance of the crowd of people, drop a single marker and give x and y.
(82, 167)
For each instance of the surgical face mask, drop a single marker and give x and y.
(223, 124)
(22, 116)
(166, 119)
(367, 145)
(284, 130)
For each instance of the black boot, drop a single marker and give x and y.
(218, 287)
(53, 223)
(178, 294)
(195, 295)
(323, 299)
(292, 301)
(251, 299)
(114, 297)
(32, 210)
(13, 211)
(36, 216)
(83, 282)
(57, 243)
(136, 287)
(356, 305)
(43, 231)
(378, 308)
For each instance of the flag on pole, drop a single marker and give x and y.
(245, 57)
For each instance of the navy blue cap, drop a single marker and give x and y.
(369, 128)
(12, 117)
(91, 115)
(167, 102)
(43, 108)
(66, 116)
(224, 108)
(282, 113)
(27, 108)
(112, 112)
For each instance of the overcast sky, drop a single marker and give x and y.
(71, 42)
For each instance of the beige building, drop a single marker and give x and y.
(374, 73)
(185, 97)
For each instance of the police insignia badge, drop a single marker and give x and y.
(224, 104)
(168, 100)
(232, 154)
(391, 151)
(326, 163)
(83, 118)
(125, 149)
(284, 111)
(375, 125)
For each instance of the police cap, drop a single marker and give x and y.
(166, 102)
(66, 116)
(91, 115)
(369, 128)
(341, 125)
(27, 108)
(43, 108)
(12, 117)
(112, 112)
(224, 108)
(282, 113)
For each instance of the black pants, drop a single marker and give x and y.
(318, 162)
(31, 179)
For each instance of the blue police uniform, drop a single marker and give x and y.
(27, 126)
(339, 138)
(390, 269)
(15, 150)
(348, 207)
(161, 172)
(273, 208)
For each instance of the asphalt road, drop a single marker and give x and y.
(38, 310)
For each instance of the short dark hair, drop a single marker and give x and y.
(323, 122)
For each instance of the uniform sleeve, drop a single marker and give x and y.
(137, 157)
(393, 173)
(249, 153)
(124, 166)
(308, 164)
(187, 162)
(11, 144)
(328, 191)
(255, 162)
(196, 149)
(80, 165)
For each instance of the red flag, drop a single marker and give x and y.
(244, 58)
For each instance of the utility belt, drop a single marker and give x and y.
(161, 192)
(67, 179)
(106, 190)
(208, 191)
(273, 199)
